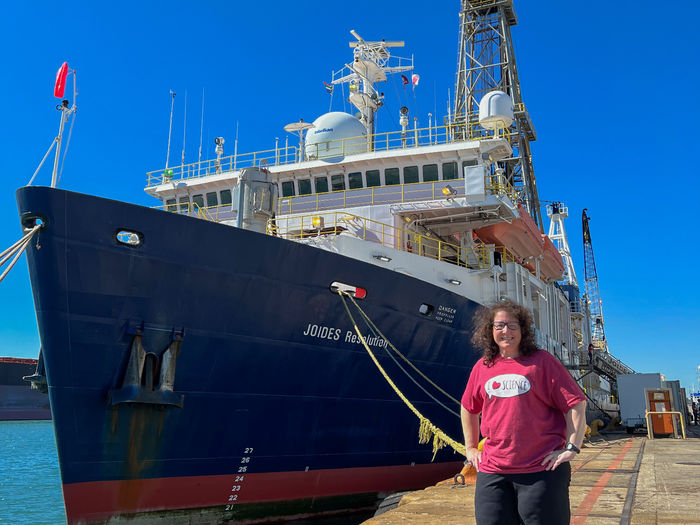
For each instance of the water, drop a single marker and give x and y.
(30, 482)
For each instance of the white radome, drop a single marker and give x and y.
(335, 134)
(496, 110)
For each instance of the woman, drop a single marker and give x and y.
(533, 415)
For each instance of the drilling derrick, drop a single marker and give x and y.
(487, 63)
(595, 304)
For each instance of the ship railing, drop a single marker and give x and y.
(205, 168)
(417, 191)
(221, 212)
(335, 223)
(394, 194)
(281, 156)
(500, 185)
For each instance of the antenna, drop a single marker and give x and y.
(235, 148)
(201, 131)
(299, 128)
(184, 130)
(170, 129)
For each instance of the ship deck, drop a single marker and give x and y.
(617, 479)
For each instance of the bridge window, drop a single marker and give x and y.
(372, 178)
(354, 180)
(391, 176)
(225, 197)
(212, 199)
(337, 182)
(184, 204)
(449, 171)
(321, 184)
(304, 186)
(288, 188)
(430, 173)
(410, 174)
(198, 201)
(170, 205)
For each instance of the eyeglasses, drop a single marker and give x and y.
(502, 326)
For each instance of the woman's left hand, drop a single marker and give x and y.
(556, 458)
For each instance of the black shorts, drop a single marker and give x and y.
(538, 498)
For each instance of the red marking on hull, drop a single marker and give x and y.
(97, 501)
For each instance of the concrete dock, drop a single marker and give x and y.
(617, 479)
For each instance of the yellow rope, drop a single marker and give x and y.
(369, 321)
(427, 431)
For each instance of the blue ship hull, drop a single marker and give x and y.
(274, 410)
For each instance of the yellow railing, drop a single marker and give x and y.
(672, 413)
(393, 140)
(498, 184)
(368, 196)
(334, 223)
(211, 213)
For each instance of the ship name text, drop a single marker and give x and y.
(336, 334)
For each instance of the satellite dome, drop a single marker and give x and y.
(335, 134)
(496, 109)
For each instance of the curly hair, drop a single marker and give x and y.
(482, 336)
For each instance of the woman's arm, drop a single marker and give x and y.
(576, 424)
(470, 428)
(575, 432)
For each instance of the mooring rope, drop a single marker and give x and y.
(374, 328)
(16, 250)
(427, 430)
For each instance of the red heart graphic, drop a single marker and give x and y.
(496, 385)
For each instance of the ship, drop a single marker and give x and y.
(18, 400)
(236, 354)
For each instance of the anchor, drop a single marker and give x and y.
(149, 378)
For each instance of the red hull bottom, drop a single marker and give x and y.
(251, 498)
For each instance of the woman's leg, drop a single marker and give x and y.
(495, 501)
(543, 497)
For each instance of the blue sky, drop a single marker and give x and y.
(612, 91)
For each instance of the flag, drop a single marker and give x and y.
(60, 87)
(404, 79)
(329, 87)
(415, 78)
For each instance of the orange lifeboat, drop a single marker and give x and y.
(552, 265)
(522, 237)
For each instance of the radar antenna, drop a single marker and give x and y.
(487, 63)
(372, 61)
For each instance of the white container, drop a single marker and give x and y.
(630, 389)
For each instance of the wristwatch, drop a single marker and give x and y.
(571, 446)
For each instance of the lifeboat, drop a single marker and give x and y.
(521, 236)
(552, 265)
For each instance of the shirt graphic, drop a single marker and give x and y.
(507, 385)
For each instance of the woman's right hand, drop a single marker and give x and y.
(474, 457)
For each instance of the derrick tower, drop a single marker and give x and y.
(595, 304)
(557, 212)
(487, 63)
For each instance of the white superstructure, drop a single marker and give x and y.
(411, 200)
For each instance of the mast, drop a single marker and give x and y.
(486, 63)
(371, 64)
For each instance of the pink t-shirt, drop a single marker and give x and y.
(522, 402)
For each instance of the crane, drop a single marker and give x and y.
(595, 303)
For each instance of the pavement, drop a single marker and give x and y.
(616, 479)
